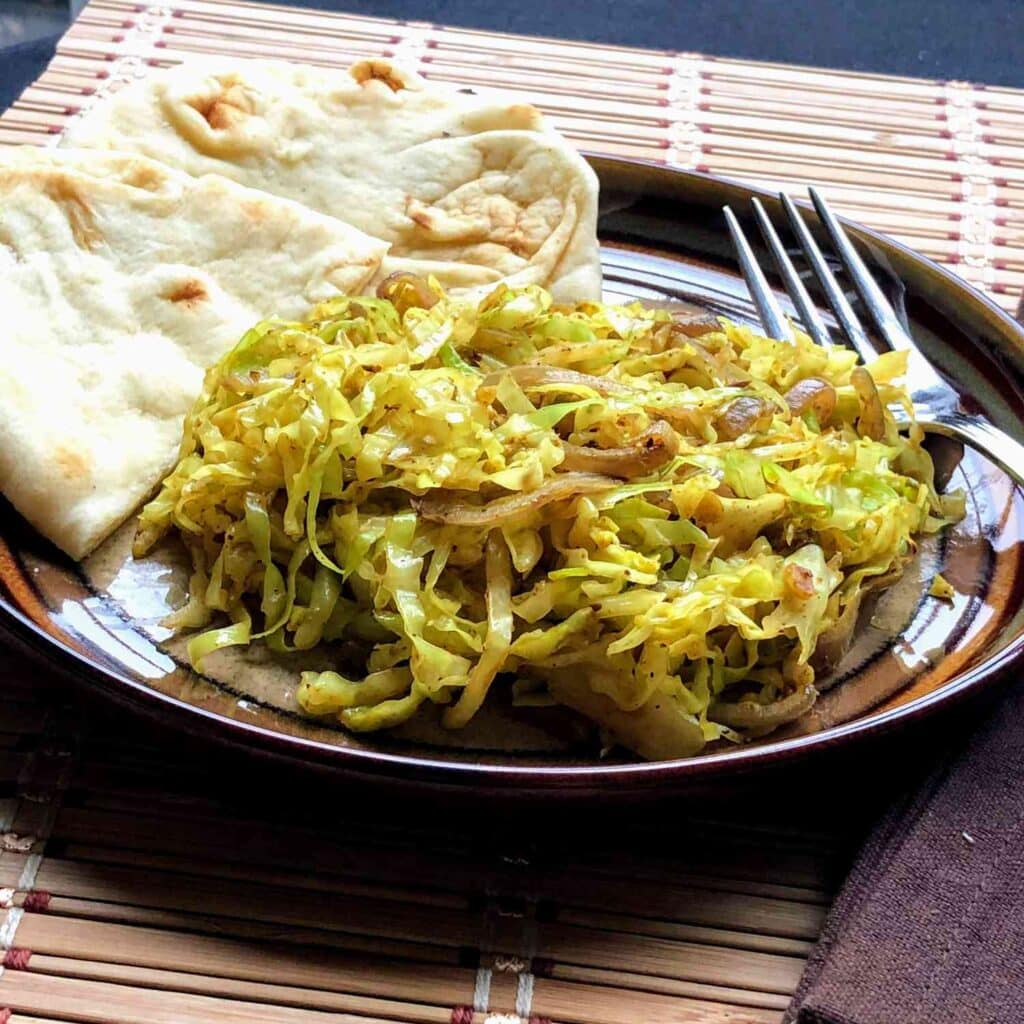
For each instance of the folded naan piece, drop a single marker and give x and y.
(468, 187)
(121, 281)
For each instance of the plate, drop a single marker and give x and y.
(663, 240)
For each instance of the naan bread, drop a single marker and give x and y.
(120, 282)
(470, 188)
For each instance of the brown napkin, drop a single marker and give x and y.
(929, 926)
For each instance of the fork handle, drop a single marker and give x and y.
(981, 435)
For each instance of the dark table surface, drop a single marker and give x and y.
(979, 40)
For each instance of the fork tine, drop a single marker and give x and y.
(837, 300)
(875, 301)
(768, 309)
(813, 323)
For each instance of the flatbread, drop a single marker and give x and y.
(121, 281)
(471, 187)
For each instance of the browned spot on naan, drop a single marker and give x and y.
(420, 214)
(74, 465)
(145, 176)
(226, 110)
(8, 242)
(255, 210)
(377, 71)
(347, 264)
(189, 293)
(517, 245)
(63, 190)
(523, 115)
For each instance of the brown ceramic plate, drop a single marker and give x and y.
(664, 240)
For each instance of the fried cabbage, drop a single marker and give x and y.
(581, 501)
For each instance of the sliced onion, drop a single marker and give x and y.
(715, 367)
(695, 323)
(534, 375)
(872, 414)
(748, 714)
(686, 420)
(687, 318)
(812, 395)
(651, 449)
(442, 507)
(404, 290)
(741, 416)
(798, 582)
(834, 642)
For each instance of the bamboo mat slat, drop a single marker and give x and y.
(135, 888)
(907, 156)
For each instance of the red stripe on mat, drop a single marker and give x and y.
(17, 959)
(36, 900)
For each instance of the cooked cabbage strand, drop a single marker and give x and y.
(585, 501)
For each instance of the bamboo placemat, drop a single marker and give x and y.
(149, 882)
(143, 882)
(939, 165)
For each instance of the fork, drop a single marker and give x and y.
(936, 405)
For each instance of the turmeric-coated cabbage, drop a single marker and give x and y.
(584, 505)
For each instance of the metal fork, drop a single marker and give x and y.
(936, 405)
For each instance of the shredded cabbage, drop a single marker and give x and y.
(389, 476)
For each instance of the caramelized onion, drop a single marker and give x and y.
(439, 507)
(536, 374)
(872, 415)
(717, 370)
(404, 290)
(651, 449)
(835, 641)
(685, 420)
(798, 582)
(687, 318)
(741, 416)
(812, 395)
(695, 323)
(748, 714)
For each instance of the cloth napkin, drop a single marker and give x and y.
(929, 927)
